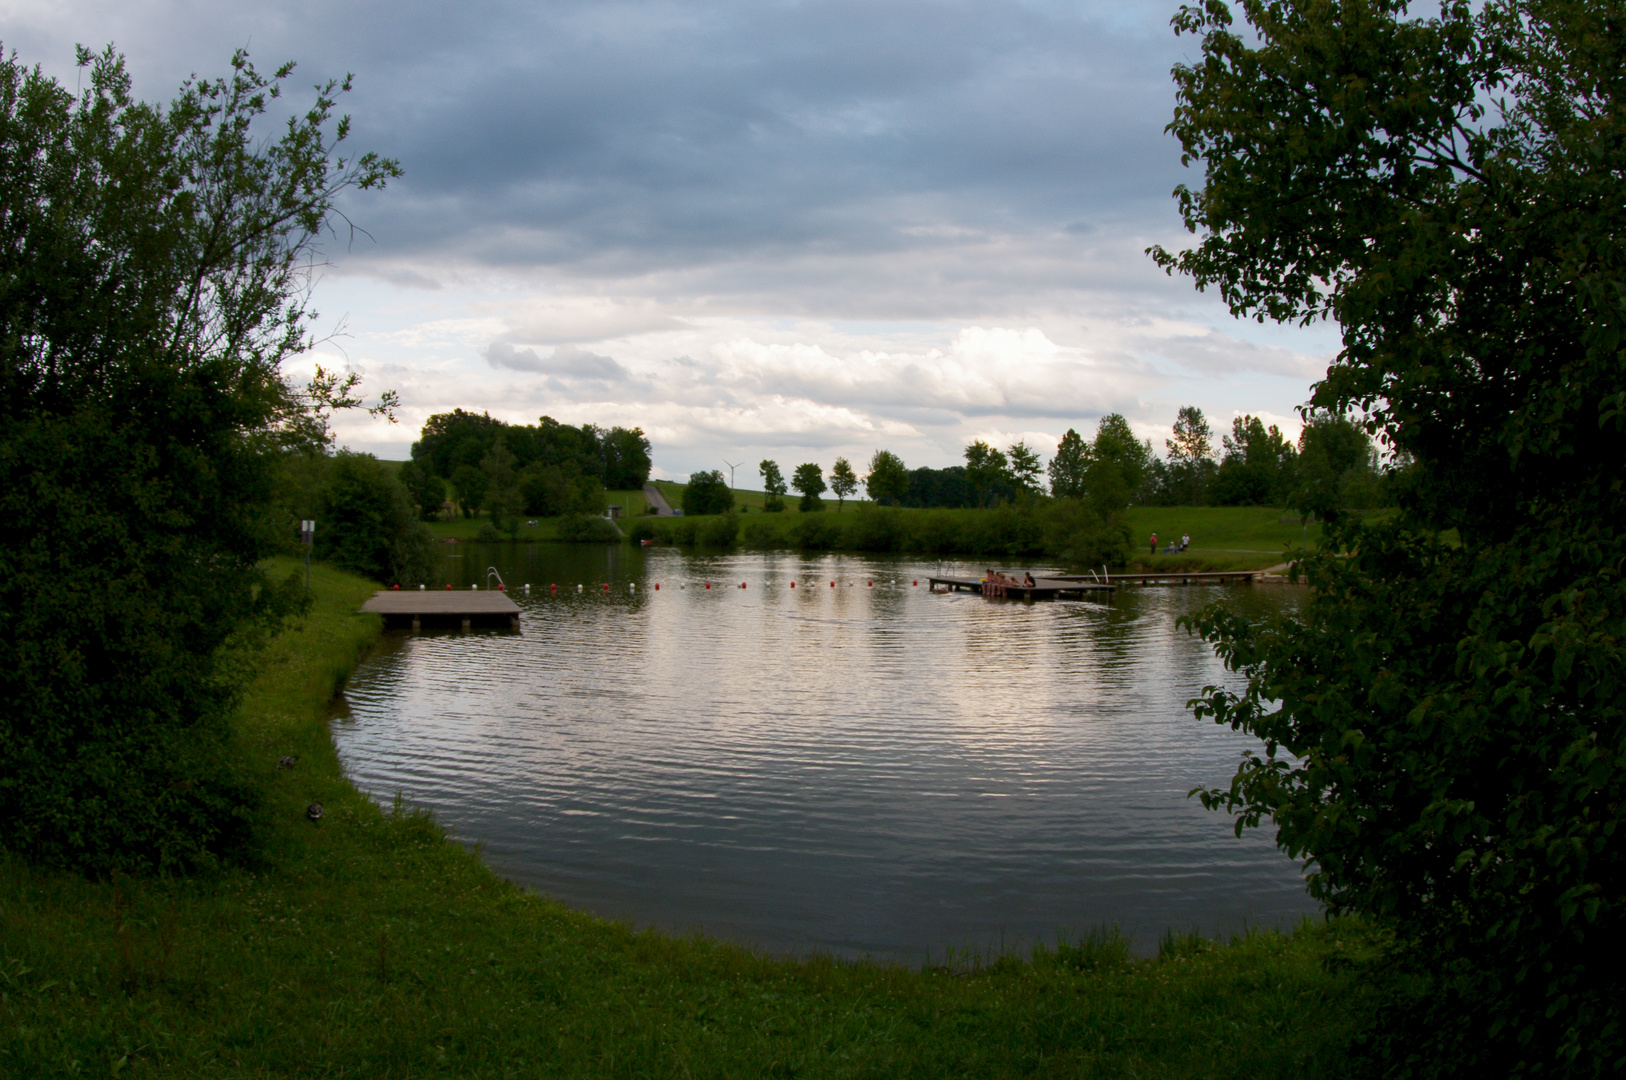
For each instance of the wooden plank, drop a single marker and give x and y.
(444, 603)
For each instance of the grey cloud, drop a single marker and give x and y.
(566, 362)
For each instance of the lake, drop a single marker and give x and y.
(864, 769)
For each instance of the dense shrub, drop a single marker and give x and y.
(586, 529)
(720, 531)
(150, 287)
(1443, 725)
(365, 523)
(707, 493)
(817, 532)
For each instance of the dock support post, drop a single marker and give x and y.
(467, 622)
(417, 623)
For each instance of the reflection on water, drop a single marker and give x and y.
(868, 768)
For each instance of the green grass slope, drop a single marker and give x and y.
(366, 944)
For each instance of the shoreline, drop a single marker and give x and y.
(369, 942)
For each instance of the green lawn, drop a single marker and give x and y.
(1222, 537)
(367, 945)
(752, 502)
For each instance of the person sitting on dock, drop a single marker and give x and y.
(1027, 579)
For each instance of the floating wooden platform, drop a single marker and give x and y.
(1045, 588)
(447, 607)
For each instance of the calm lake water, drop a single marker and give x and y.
(864, 769)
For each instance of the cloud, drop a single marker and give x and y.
(809, 228)
(565, 362)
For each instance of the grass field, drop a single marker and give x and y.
(1222, 537)
(367, 945)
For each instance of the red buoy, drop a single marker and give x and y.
(872, 584)
(448, 585)
(832, 584)
(793, 584)
(554, 586)
(396, 587)
(501, 587)
(708, 584)
(657, 586)
(742, 584)
(915, 582)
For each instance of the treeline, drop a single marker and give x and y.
(1333, 466)
(471, 462)
(1066, 529)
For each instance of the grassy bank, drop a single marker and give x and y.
(366, 944)
(1223, 538)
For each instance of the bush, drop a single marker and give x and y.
(707, 493)
(874, 529)
(365, 523)
(582, 529)
(938, 532)
(720, 531)
(764, 534)
(815, 532)
(146, 314)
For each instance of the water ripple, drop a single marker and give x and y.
(857, 769)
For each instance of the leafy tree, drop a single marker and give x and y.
(152, 278)
(471, 483)
(426, 490)
(773, 482)
(1444, 726)
(707, 493)
(365, 523)
(627, 459)
(1024, 467)
(502, 498)
(1068, 466)
(986, 470)
(1336, 467)
(1259, 467)
(843, 481)
(888, 479)
(809, 480)
(1116, 467)
(938, 488)
(1191, 456)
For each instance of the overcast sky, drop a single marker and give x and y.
(786, 230)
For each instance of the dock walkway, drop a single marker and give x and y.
(1209, 577)
(1045, 588)
(450, 607)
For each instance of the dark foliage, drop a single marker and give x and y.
(366, 524)
(556, 466)
(707, 493)
(1443, 725)
(149, 281)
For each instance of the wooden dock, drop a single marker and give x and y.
(1211, 577)
(448, 607)
(1045, 588)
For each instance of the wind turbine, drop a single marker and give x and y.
(731, 467)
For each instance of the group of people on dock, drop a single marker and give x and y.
(1185, 542)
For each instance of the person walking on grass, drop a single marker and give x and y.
(1154, 543)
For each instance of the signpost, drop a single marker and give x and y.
(307, 536)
